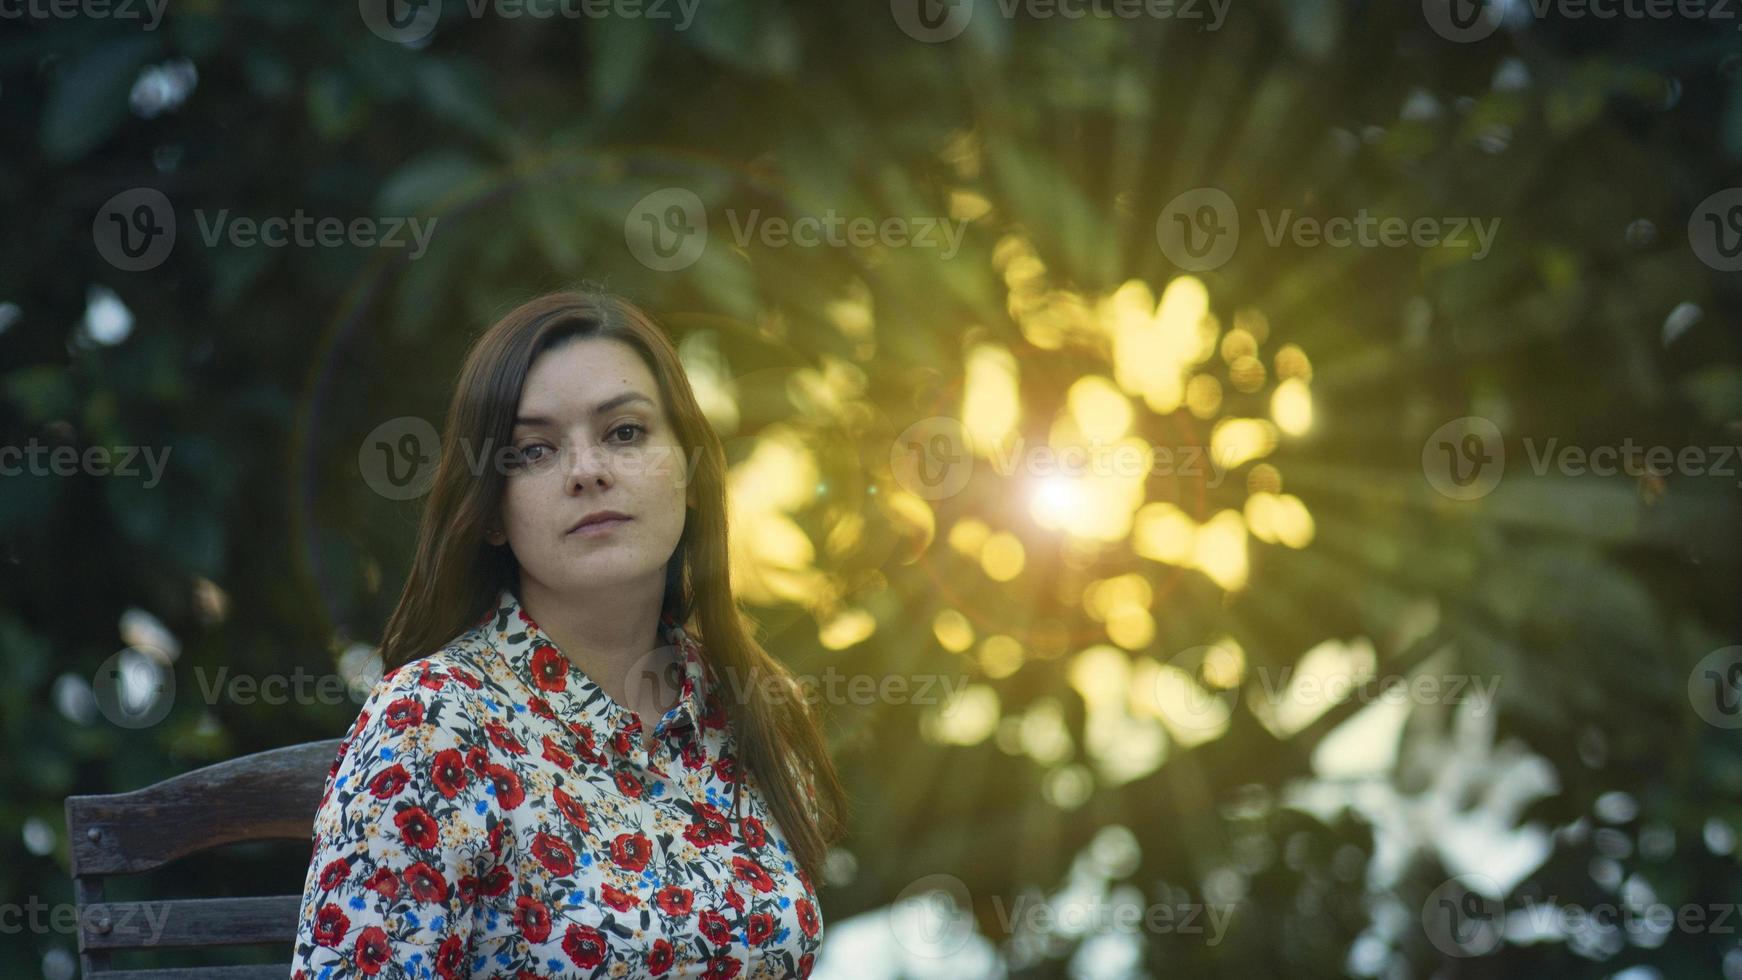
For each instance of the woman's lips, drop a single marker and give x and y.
(601, 528)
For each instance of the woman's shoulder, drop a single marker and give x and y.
(415, 738)
(441, 687)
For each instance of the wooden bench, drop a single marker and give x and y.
(269, 795)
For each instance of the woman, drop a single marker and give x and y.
(579, 762)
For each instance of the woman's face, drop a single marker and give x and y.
(591, 434)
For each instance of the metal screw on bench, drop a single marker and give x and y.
(94, 834)
(100, 923)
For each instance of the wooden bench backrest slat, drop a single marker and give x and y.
(266, 796)
(260, 972)
(191, 922)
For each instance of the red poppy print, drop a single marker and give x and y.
(628, 785)
(389, 782)
(417, 827)
(760, 928)
(585, 946)
(674, 900)
(753, 832)
(334, 873)
(714, 926)
(426, 883)
(448, 773)
(509, 792)
(807, 917)
(404, 713)
(573, 810)
(752, 874)
(533, 918)
(631, 851)
(550, 669)
(618, 899)
(331, 924)
(557, 857)
(450, 961)
(373, 951)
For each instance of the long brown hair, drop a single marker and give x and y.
(456, 575)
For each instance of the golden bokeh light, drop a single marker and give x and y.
(991, 403)
(1003, 557)
(953, 631)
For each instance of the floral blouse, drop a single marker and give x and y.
(493, 813)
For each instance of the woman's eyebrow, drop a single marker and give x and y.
(615, 401)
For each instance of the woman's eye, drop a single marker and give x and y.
(631, 426)
(529, 454)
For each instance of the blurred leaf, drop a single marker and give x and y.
(551, 212)
(1717, 390)
(88, 99)
(756, 38)
(430, 183)
(460, 93)
(335, 108)
(620, 48)
(44, 392)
